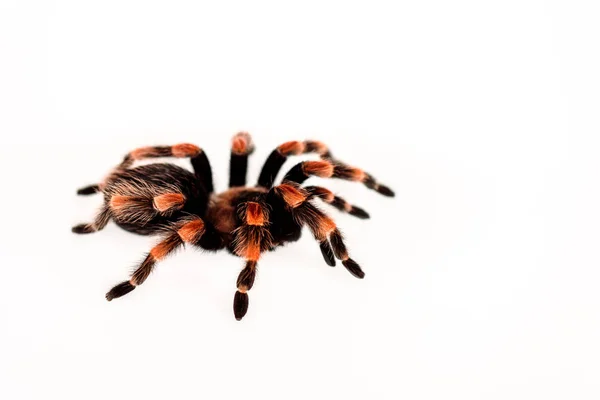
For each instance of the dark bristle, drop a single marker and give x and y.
(296, 174)
(343, 171)
(84, 191)
(312, 146)
(83, 229)
(270, 169)
(386, 191)
(337, 243)
(210, 240)
(359, 212)
(338, 203)
(353, 268)
(162, 151)
(327, 252)
(120, 290)
(247, 276)
(203, 171)
(370, 182)
(144, 270)
(238, 165)
(240, 305)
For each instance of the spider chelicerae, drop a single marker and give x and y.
(180, 206)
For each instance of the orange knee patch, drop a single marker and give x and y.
(291, 195)
(191, 231)
(185, 150)
(325, 227)
(241, 144)
(169, 201)
(161, 250)
(253, 251)
(255, 214)
(323, 169)
(291, 148)
(118, 202)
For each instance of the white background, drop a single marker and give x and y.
(482, 275)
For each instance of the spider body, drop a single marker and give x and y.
(181, 206)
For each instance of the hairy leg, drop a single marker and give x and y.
(278, 157)
(188, 231)
(322, 226)
(99, 222)
(328, 197)
(327, 169)
(251, 239)
(241, 148)
(197, 157)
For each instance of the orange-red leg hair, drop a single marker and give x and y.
(189, 231)
(168, 202)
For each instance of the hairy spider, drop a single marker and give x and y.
(167, 200)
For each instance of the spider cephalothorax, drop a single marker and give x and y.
(180, 206)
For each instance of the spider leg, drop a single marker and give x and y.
(322, 226)
(328, 169)
(245, 281)
(286, 197)
(278, 157)
(328, 197)
(87, 190)
(189, 231)
(99, 223)
(251, 239)
(241, 148)
(198, 158)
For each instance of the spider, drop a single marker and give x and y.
(180, 206)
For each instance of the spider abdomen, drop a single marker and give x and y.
(147, 198)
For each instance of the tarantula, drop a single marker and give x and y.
(167, 200)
